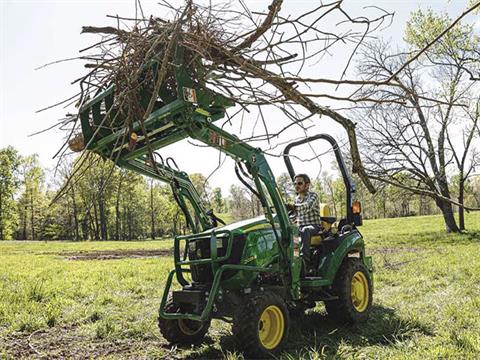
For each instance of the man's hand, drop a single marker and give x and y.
(290, 207)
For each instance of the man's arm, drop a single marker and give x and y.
(290, 206)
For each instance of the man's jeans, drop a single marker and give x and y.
(306, 233)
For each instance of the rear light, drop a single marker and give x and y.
(356, 207)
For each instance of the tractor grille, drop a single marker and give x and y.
(203, 273)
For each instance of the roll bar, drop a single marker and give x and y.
(349, 185)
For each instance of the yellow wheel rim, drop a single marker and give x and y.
(359, 291)
(271, 327)
(189, 327)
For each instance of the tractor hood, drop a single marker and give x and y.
(248, 224)
(245, 226)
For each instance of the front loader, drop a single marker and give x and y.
(249, 272)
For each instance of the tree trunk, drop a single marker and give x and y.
(24, 223)
(69, 231)
(103, 221)
(175, 221)
(124, 223)
(446, 207)
(129, 217)
(75, 214)
(32, 215)
(117, 218)
(117, 208)
(91, 226)
(461, 210)
(84, 223)
(332, 196)
(447, 211)
(421, 205)
(96, 225)
(152, 211)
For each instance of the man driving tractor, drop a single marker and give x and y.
(307, 209)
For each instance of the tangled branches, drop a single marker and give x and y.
(254, 59)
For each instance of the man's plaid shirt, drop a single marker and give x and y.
(308, 210)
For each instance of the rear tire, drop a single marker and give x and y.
(181, 331)
(261, 325)
(353, 286)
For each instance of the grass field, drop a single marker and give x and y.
(100, 300)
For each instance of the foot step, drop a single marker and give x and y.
(313, 278)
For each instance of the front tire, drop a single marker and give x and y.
(261, 325)
(181, 331)
(353, 286)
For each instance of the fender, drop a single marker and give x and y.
(351, 243)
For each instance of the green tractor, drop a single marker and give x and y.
(249, 272)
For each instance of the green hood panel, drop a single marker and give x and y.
(260, 222)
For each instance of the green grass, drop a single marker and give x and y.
(426, 301)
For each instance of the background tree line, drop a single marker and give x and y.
(104, 204)
(116, 204)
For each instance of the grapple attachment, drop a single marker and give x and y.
(112, 130)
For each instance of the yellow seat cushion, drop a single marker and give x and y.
(324, 212)
(316, 240)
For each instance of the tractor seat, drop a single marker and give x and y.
(316, 240)
(327, 222)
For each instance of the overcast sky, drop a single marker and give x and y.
(34, 33)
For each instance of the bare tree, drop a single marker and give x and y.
(466, 158)
(413, 138)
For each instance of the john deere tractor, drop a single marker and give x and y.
(249, 272)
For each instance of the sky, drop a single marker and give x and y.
(34, 33)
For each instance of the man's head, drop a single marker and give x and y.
(302, 183)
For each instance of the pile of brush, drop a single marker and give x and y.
(140, 61)
(251, 58)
